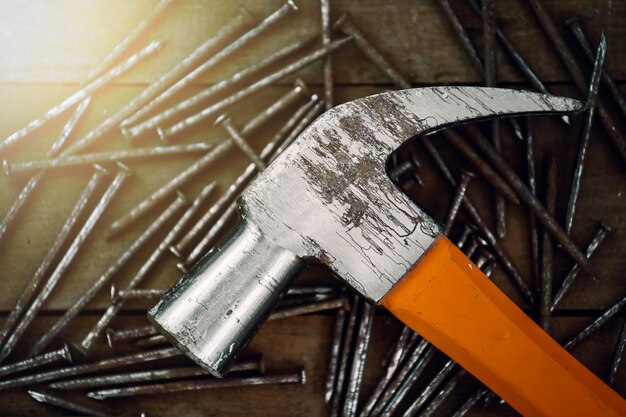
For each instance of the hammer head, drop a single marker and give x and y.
(326, 199)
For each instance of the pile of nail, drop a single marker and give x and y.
(193, 234)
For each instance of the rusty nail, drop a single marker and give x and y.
(35, 361)
(67, 404)
(546, 276)
(461, 188)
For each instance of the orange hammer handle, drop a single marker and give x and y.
(451, 303)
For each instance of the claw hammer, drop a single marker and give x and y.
(328, 199)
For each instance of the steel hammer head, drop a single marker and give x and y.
(326, 199)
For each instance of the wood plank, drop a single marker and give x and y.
(59, 41)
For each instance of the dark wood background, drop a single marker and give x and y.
(47, 46)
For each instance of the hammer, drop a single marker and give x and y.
(328, 199)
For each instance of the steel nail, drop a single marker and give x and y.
(225, 122)
(230, 212)
(443, 394)
(409, 381)
(473, 245)
(103, 279)
(169, 387)
(499, 251)
(602, 233)
(345, 358)
(519, 61)
(366, 316)
(465, 234)
(154, 375)
(328, 67)
(333, 362)
(53, 252)
(312, 290)
(86, 368)
(51, 282)
(345, 24)
(489, 268)
(620, 344)
(132, 132)
(471, 402)
(399, 347)
(532, 185)
(194, 169)
(484, 258)
(480, 165)
(303, 299)
(216, 58)
(462, 35)
(33, 362)
(103, 157)
(578, 31)
(569, 60)
(308, 308)
(430, 389)
(531, 201)
(136, 294)
(151, 341)
(232, 29)
(81, 94)
(143, 272)
(410, 362)
(70, 405)
(546, 276)
(461, 188)
(27, 191)
(597, 323)
(592, 102)
(114, 336)
(167, 133)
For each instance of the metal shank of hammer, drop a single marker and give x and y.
(326, 199)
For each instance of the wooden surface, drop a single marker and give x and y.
(48, 46)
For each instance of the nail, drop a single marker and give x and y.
(571, 64)
(32, 183)
(475, 241)
(466, 176)
(392, 388)
(132, 132)
(519, 61)
(345, 357)
(358, 363)
(328, 67)
(303, 299)
(396, 355)
(127, 41)
(147, 376)
(79, 304)
(345, 24)
(67, 404)
(484, 258)
(546, 276)
(480, 165)
(531, 201)
(578, 31)
(333, 362)
(104, 157)
(532, 185)
(51, 282)
(499, 251)
(308, 308)
(81, 94)
(416, 371)
(224, 122)
(33, 362)
(232, 29)
(312, 290)
(169, 387)
(156, 340)
(617, 355)
(214, 59)
(136, 294)
(55, 250)
(168, 132)
(471, 402)
(430, 389)
(602, 233)
(443, 394)
(175, 183)
(143, 272)
(597, 323)
(114, 336)
(465, 234)
(592, 101)
(101, 365)
(217, 228)
(399, 170)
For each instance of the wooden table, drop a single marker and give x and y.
(48, 46)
